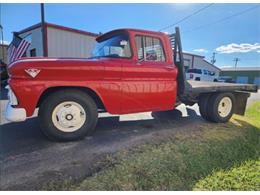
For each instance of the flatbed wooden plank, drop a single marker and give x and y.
(204, 86)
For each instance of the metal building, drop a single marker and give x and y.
(197, 61)
(60, 41)
(250, 75)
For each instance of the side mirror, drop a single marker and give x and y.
(123, 43)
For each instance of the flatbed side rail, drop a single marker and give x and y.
(206, 87)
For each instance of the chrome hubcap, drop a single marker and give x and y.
(68, 116)
(225, 107)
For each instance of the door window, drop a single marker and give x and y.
(149, 49)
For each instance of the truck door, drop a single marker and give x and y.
(149, 82)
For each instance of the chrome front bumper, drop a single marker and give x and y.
(15, 114)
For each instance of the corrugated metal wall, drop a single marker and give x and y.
(63, 43)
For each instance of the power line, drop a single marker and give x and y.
(223, 19)
(186, 17)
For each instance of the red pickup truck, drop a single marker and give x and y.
(131, 71)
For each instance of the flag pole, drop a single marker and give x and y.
(2, 34)
(44, 42)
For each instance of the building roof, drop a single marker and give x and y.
(191, 54)
(212, 65)
(3, 45)
(35, 26)
(241, 69)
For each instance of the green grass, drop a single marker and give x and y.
(243, 177)
(215, 157)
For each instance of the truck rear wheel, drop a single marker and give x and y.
(68, 115)
(203, 105)
(220, 107)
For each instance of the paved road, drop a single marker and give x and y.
(29, 160)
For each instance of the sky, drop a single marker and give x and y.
(219, 28)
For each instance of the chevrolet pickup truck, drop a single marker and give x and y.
(131, 71)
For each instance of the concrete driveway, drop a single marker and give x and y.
(29, 160)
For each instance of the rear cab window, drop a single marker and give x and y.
(195, 71)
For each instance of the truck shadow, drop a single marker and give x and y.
(24, 137)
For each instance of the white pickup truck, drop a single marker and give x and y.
(198, 74)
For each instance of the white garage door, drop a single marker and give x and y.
(243, 80)
(257, 81)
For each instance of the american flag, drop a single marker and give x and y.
(17, 48)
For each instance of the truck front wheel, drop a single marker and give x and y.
(68, 115)
(220, 107)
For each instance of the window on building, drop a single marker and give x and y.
(33, 52)
(149, 48)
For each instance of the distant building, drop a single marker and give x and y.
(60, 41)
(250, 75)
(3, 53)
(197, 61)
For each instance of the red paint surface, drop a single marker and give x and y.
(122, 84)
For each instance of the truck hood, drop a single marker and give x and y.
(47, 68)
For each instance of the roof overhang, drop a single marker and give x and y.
(33, 27)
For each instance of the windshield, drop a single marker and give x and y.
(114, 47)
(197, 71)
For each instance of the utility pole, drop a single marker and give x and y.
(213, 60)
(236, 61)
(2, 43)
(44, 42)
(2, 34)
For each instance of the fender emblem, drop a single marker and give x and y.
(32, 72)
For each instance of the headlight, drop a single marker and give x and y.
(11, 96)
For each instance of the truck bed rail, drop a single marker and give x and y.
(206, 87)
